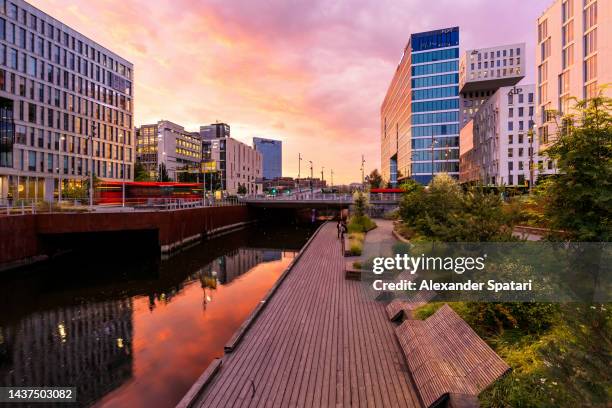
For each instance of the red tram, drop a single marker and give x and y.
(143, 192)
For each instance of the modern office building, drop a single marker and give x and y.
(58, 89)
(483, 71)
(500, 150)
(573, 57)
(238, 165)
(272, 154)
(420, 112)
(168, 144)
(215, 131)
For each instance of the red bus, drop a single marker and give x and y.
(386, 190)
(143, 192)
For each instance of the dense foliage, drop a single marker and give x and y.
(375, 179)
(559, 353)
(579, 198)
(444, 212)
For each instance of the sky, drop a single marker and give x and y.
(312, 73)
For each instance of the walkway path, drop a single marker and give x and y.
(319, 343)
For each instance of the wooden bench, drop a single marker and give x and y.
(446, 357)
(400, 309)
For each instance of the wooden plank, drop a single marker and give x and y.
(320, 340)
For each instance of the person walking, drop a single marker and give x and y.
(339, 228)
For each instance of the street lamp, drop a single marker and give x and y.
(311, 186)
(60, 169)
(91, 166)
(531, 164)
(299, 170)
(332, 178)
(322, 177)
(123, 172)
(362, 174)
(433, 144)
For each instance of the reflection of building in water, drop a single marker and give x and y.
(272, 255)
(86, 346)
(238, 262)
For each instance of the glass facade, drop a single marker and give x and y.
(65, 91)
(7, 132)
(272, 155)
(434, 104)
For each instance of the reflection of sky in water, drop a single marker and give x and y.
(145, 349)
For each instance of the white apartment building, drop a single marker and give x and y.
(169, 144)
(238, 164)
(502, 150)
(482, 71)
(66, 106)
(573, 57)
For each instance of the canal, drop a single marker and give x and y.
(128, 329)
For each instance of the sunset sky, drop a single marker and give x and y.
(312, 73)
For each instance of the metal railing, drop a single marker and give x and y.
(31, 206)
(341, 198)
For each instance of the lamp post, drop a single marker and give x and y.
(91, 166)
(433, 144)
(322, 177)
(60, 169)
(332, 178)
(362, 172)
(123, 173)
(531, 163)
(299, 170)
(311, 186)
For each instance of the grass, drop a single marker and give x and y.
(356, 240)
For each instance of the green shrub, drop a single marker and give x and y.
(356, 243)
(360, 224)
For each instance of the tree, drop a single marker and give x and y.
(360, 202)
(375, 179)
(580, 196)
(163, 173)
(444, 212)
(242, 189)
(140, 172)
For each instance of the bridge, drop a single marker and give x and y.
(319, 200)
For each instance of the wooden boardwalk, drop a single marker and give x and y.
(321, 341)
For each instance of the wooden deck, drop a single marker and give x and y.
(319, 342)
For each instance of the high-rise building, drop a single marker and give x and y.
(58, 89)
(502, 150)
(240, 166)
(215, 131)
(272, 154)
(168, 144)
(483, 71)
(573, 59)
(420, 113)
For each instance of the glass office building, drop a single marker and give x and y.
(434, 104)
(420, 113)
(272, 154)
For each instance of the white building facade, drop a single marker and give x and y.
(58, 89)
(503, 153)
(239, 165)
(169, 144)
(482, 71)
(573, 59)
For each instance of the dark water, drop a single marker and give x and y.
(129, 330)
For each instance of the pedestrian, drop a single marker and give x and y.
(339, 228)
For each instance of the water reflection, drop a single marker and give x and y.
(134, 331)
